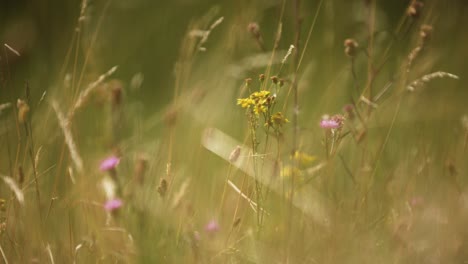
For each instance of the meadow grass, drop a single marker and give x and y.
(291, 132)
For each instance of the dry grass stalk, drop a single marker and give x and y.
(252, 204)
(308, 200)
(12, 49)
(429, 77)
(65, 126)
(85, 94)
(204, 34)
(38, 156)
(20, 175)
(49, 251)
(14, 187)
(180, 194)
(3, 255)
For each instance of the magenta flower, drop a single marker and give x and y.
(212, 227)
(112, 205)
(335, 122)
(109, 163)
(329, 124)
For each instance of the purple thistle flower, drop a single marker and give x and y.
(335, 122)
(212, 227)
(112, 205)
(329, 124)
(109, 164)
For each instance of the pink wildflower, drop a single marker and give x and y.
(329, 124)
(112, 205)
(335, 122)
(109, 163)
(212, 227)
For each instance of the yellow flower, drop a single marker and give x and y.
(260, 95)
(289, 171)
(245, 102)
(303, 158)
(259, 108)
(261, 101)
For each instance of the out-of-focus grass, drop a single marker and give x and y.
(391, 191)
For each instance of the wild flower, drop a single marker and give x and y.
(245, 102)
(332, 126)
(109, 164)
(260, 106)
(329, 124)
(259, 101)
(212, 227)
(113, 205)
(303, 158)
(290, 171)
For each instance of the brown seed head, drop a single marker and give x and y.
(351, 47)
(415, 8)
(261, 77)
(274, 79)
(349, 111)
(254, 29)
(426, 32)
(281, 82)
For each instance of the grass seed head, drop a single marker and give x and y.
(23, 110)
(162, 188)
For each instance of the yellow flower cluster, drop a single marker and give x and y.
(259, 101)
